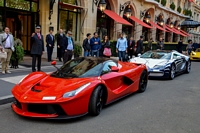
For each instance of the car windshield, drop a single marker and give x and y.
(79, 67)
(156, 55)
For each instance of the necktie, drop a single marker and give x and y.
(39, 36)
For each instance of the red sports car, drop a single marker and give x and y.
(82, 85)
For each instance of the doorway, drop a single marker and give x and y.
(22, 25)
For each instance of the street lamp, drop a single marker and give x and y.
(101, 4)
(171, 24)
(147, 17)
(128, 10)
(179, 27)
(161, 22)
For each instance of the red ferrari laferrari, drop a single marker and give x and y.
(82, 85)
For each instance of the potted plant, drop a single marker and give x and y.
(18, 54)
(77, 50)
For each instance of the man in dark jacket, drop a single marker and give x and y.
(179, 46)
(60, 44)
(95, 44)
(37, 48)
(86, 45)
(68, 46)
(139, 47)
(50, 44)
(131, 44)
(160, 44)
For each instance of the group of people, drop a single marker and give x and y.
(65, 46)
(94, 47)
(191, 46)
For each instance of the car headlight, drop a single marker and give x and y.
(159, 67)
(193, 53)
(22, 79)
(75, 92)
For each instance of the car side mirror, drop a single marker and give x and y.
(114, 69)
(53, 63)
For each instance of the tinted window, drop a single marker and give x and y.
(79, 67)
(107, 67)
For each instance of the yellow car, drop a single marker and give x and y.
(195, 55)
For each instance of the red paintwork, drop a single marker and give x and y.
(78, 104)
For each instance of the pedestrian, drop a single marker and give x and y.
(180, 46)
(68, 45)
(121, 47)
(149, 45)
(60, 50)
(160, 44)
(139, 47)
(86, 45)
(195, 45)
(189, 47)
(50, 40)
(106, 47)
(131, 44)
(95, 44)
(7, 42)
(37, 48)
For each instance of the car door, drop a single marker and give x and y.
(178, 60)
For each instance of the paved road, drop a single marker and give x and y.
(166, 107)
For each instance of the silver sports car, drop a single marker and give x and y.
(167, 64)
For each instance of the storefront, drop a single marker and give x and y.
(21, 17)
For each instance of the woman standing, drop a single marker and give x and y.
(106, 47)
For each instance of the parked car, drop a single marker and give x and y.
(82, 85)
(166, 64)
(195, 55)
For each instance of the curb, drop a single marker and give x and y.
(6, 99)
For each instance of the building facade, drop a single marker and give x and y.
(84, 16)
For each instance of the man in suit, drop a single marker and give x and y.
(131, 44)
(139, 47)
(37, 48)
(50, 44)
(7, 42)
(68, 45)
(59, 44)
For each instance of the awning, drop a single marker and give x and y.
(66, 5)
(179, 32)
(116, 17)
(157, 26)
(170, 29)
(188, 23)
(140, 22)
(185, 33)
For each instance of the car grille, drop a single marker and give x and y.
(156, 74)
(46, 109)
(17, 103)
(196, 57)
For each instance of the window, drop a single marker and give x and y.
(1, 2)
(107, 67)
(18, 4)
(1, 20)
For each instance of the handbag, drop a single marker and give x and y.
(3, 55)
(107, 51)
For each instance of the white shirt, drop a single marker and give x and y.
(7, 44)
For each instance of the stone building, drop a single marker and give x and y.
(150, 18)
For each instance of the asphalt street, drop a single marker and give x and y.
(167, 106)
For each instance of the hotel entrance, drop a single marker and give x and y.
(21, 19)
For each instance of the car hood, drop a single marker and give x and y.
(150, 63)
(197, 54)
(48, 86)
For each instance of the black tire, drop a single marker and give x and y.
(172, 72)
(143, 82)
(96, 101)
(188, 66)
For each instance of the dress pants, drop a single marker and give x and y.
(67, 56)
(5, 62)
(130, 53)
(49, 53)
(34, 56)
